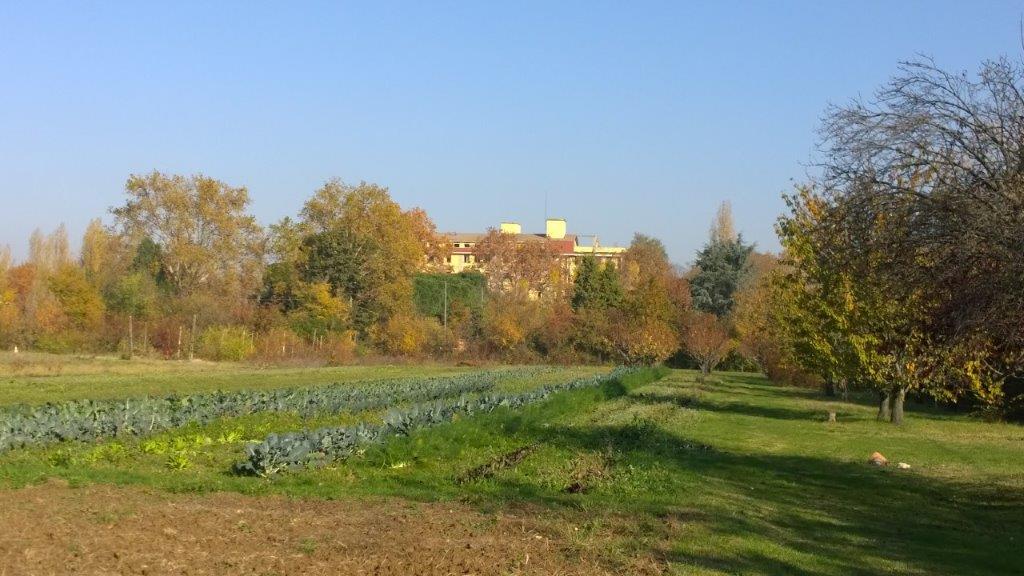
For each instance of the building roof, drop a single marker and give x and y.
(478, 236)
(570, 244)
(465, 236)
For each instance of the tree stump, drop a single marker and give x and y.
(831, 416)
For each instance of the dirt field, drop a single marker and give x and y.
(55, 529)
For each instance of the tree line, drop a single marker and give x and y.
(184, 271)
(903, 263)
(901, 271)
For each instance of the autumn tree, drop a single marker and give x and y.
(706, 338)
(643, 327)
(48, 252)
(206, 237)
(40, 311)
(723, 229)
(319, 311)
(765, 320)
(104, 256)
(926, 144)
(521, 265)
(366, 247)
(933, 193)
(9, 314)
(641, 340)
(79, 300)
(645, 260)
(436, 246)
(508, 321)
(851, 321)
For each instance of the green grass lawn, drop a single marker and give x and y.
(35, 378)
(735, 476)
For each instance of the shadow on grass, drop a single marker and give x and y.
(764, 513)
(741, 384)
(759, 411)
(770, 513)
(846, 514)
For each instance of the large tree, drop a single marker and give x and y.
(720, 266)
(852, 320)
(706, 338)
(206, 237)
(520, 266)
(940, 153)
(366, 248)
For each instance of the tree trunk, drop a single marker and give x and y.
(704, 371)
(899, 395)
(883, 406)
(844, 389)
(830, 388)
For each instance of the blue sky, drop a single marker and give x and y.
(627, 116)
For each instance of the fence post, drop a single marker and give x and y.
(192, 339)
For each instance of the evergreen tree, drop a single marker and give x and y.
(721, 266)
(596, 286)
(585, 286)
(610, 288)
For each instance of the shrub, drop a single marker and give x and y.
(231, 343)
(280, 344)
(65, 342)
(340, 348)
(405, 335)
(642, 341)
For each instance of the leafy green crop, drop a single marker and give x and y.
(310, 448)
(87, 420)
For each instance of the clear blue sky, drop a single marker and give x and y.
(629, 116)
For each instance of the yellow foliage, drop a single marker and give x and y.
(403, 335)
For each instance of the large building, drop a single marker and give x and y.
(567, 246)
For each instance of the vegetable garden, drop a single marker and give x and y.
(357, 414)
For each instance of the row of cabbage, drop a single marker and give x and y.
(312, 448)
(87, 420)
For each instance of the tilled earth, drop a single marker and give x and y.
(54, 529)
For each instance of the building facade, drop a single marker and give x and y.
(567, 247)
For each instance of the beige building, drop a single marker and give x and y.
(567, 246)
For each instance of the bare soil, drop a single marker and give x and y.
(55, 529)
